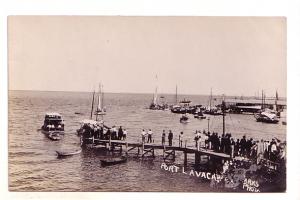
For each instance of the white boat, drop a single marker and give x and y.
(67, 153)
(267, 116)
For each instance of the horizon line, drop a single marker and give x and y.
(136, 93)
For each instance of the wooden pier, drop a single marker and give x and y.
(144, 149)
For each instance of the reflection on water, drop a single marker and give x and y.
(33, 165)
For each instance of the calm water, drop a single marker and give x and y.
(33, 165)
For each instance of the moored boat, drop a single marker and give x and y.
(199, 115)
(53, 122)
(184, 119)
(113, 161)
(267, 116)
(66, 153)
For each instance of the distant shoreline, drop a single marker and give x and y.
(136, 93)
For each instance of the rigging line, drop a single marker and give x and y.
(212, 123)
(234, 128)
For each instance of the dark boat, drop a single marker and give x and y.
(199, 115)
(53, 122)
(113, 161)
(65, 154)
(184, 119)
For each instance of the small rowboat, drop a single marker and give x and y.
(113, 161)
(64, 153)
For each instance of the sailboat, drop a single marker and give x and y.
(154, 105)
(100, 110)
(158, 104)
(212, 110)
(88, 123)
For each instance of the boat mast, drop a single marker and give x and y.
(262, 99)
(155, 94)
(91, 117)
(276, 99)
(102, 101)
(176, 100)
(99, 102)
(223, 112)
(210, 99)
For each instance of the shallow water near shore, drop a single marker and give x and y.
(33, 164)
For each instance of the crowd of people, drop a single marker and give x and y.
(245, 147)
(98, 132)
(225, 143)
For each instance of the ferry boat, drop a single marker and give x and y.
(53, 123)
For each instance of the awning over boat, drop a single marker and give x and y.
(89, 121)
(269, 115)
(53, 114)
(249, 107)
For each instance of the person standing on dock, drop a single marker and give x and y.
(196, 139)
(163, 137)
(120, 133)
(114, 135)
(143, 134)
(180, 139)
(170, 138)
(124, 134)
(149, 136)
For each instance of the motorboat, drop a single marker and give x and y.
(53, 122)
(267, 116)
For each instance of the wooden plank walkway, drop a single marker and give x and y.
(153, 146)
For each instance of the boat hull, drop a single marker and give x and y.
(113, 161)
(66, 154)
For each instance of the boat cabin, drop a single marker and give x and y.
(53, 122)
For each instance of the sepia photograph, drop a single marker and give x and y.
(147, 104)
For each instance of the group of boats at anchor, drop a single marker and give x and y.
(262, 113)
(53, 128)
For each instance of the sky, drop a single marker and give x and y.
(231, 55)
